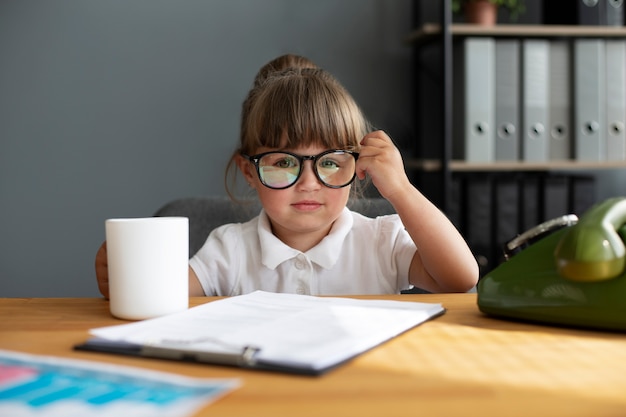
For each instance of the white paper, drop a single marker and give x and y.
(288, 330)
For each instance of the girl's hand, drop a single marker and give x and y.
(381, 160)
(102, 270)
(443, 262)
(102, 275)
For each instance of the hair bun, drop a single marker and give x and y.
(280, 64)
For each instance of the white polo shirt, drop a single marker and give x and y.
(360, 255)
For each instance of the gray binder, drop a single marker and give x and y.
(535, 61)
(590, 12)
(589, 88)
(474, 104)
(507, 62)
(615, 131)
(559, 125)
(613, 13)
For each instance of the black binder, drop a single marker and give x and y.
(506, 213)
(583, 12)
(555, 201)
(478, 219)
(529, 202)
(582, 193)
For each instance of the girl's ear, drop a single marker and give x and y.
(247, 168)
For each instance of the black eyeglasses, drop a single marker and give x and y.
(279, 170)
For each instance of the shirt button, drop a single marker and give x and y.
(299, 265)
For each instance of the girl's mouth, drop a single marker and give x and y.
(307, 205)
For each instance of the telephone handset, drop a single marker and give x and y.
(593, 250)
(566, 271)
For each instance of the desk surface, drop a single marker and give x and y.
(462, 363)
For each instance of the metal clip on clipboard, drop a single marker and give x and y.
(243, 357)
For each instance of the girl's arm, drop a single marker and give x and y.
(443, 261)
(195, 289)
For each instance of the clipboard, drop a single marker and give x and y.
(287, 333)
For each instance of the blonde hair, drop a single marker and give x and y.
(294, 107)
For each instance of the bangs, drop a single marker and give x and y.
(301, 108)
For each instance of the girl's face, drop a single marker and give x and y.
(302, 214)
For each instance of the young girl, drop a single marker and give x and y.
(303, 142)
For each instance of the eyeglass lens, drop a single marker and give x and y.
(280, 170)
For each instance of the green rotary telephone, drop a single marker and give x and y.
(572, 274)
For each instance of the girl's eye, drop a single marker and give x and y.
(285, 163)
(328, 164)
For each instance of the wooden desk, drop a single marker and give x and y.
(461, 364)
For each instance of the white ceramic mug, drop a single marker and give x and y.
(148, 261)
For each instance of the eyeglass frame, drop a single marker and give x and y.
(301, 158)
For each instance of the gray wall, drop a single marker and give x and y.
(112, 108)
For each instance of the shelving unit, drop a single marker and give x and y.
(433, 165)
(443, 33)
(478, 197)
(431, 31)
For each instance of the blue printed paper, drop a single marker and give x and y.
(32, 385)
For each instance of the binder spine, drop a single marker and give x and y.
(590, 12)
(507, 68)
(582, 193)
(559, 127)
(589, 99)
(535, 100)
(478, 221)
(506, 213)
(475, 143)
(615, 131)
(555, 189)
(613, 12)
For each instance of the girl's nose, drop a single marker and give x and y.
(308, 181)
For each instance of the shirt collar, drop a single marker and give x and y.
(325, 254)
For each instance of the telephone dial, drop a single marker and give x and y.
(566, 271)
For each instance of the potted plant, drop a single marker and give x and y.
(486, 11)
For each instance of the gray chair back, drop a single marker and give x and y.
(207, 213)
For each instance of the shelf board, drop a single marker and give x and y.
(430, 31)
(433, 165)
